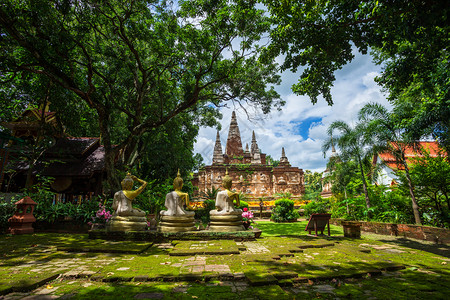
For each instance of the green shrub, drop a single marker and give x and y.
(242, 205)
(316, 206)
(387, 206)
(284, 211)
(203, 213)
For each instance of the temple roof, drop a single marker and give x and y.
(410, 153)
(78, 147)
(69, 157)
(95, 162)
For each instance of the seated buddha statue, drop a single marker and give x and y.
(226, 217)
(125, 217)
(176, 200)
(176, 218)
(123, 199)
(226, 198)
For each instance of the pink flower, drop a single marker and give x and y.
(245, 208)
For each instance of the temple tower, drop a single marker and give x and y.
(254, 151)
(234, 150)
(218, 154)
(284, 160)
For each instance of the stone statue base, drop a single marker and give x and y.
(176, 223)
(226, 223)
(127, 223)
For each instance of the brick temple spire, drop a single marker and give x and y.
(218, 154)
(254, 151)
(284, 160)
(234, 144)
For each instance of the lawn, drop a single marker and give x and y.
(290, 229)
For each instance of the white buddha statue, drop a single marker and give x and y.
(176, 218)
(225, 199)
(123, 199)
(226, 217)
(176, 199)
(125, 217)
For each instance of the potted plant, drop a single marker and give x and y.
(102, 216)
(247, 218)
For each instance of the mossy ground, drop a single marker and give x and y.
(285, 261)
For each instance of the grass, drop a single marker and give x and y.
(290, 229)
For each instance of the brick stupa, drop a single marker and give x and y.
(249, 170)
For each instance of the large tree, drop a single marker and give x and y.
(386, 134)
(137, 64)
(352, 145)
(431, 174)
(409, 37)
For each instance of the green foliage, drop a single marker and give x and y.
(313, 185)
(271, 161)
(203, 213)
(353, 145)
(243, 197)
(7, 209)
(210, 194)
(283, 195)
(386, 136)
(284, 211)
(127, 70)
(48, 211)
(411, 39)
(317, 206)
(173, 145)
(388, 206)
(431, 178)
(152, 199)
(242, 204)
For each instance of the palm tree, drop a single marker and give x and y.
(352, 145)
(384, 130)
(210, 194)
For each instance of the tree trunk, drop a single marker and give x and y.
(415, 207)
(448, 200)
(110, 154)
(366, 192)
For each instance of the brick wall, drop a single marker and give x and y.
(432, 234)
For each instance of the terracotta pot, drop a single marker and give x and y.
(98, 226)
(257, 232)
(246, 224)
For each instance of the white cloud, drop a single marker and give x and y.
(354, 87)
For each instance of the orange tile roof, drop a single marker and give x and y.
(410, 152)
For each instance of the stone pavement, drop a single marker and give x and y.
(185, 273)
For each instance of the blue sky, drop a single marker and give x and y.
(300, 127)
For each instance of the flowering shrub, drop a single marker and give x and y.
(247, 215)
(101, 216)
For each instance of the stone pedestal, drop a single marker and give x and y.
(177, 223)
(226, 222)
(352, 229)
(127, 223)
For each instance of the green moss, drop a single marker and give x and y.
(427, 273)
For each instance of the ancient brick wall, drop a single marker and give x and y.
(426, 233)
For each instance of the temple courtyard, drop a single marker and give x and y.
(285, 263)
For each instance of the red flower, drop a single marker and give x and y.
(245, 208)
